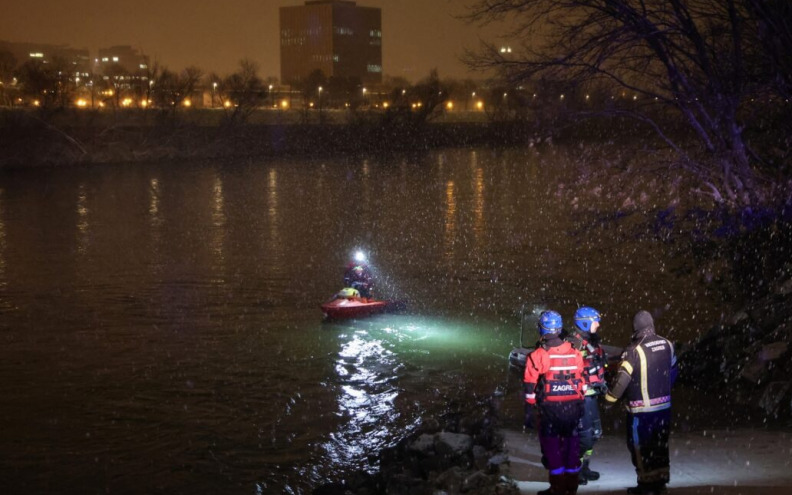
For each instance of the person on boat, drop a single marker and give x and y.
(554, 388)
(358, 276)
(586, 339)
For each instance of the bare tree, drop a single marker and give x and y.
(48, 84)
(700, 58)
(171, 89)
(7, 65)
(117, 79)
(244, 90)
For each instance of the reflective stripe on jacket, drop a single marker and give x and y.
(645, 374)
(554, 374)
(594, 360)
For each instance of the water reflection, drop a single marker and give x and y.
(478, 201)
(3, 280)
(83, 225)
(366, 371)
(218, 222)
(275, 244)
(450, 226)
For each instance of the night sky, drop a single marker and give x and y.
(418, 35)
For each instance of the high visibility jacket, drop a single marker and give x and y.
(646, 373)
(554, 373)
(594, 361)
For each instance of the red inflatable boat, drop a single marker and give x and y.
(352, 307)
(343, 306)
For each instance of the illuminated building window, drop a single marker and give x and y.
(374, 68)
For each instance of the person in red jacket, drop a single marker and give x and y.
(644, 379)
(554, 388)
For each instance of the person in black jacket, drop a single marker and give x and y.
(586, 339)
(644, 379)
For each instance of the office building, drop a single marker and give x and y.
(129, 59)
(335, 36)
(74, 61)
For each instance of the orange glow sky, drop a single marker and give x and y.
(418, 35)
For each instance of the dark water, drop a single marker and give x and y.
(160, 323)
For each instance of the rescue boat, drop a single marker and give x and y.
(343, 305)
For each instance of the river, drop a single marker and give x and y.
(160, 322)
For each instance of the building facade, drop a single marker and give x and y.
(125, 57)
(74, 61)
(336, 37)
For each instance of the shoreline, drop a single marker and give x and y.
(72, 138)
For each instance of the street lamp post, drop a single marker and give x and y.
(319, 91)
(214, 89)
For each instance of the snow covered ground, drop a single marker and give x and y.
(733, 462)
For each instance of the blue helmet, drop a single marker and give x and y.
(550, 323)
(585, 316)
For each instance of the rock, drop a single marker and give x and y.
(424, 444)
(756, 368)
(771, 352)
(739, 316)
(480, 457)
(450, 480)
(786, 288)
(753, 371)
(431, 425)
(495, 462)
(773, 396)
(453, 444)
(476, 480)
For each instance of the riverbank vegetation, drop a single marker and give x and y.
(710, 66)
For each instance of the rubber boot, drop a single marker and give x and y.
(571, 482)
(587, 473)
(557, 485)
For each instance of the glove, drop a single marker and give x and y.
(529, 420)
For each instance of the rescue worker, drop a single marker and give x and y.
(554, 388)
(644, 379)
(586, 340)
(358, 276)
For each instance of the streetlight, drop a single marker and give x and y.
(272, 101)
(214, 88)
